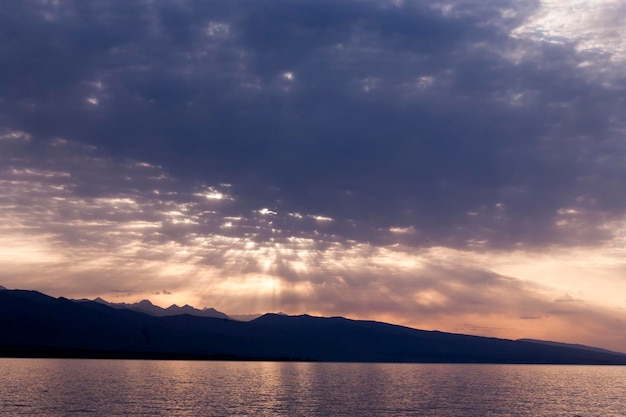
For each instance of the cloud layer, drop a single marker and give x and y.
(313, 156)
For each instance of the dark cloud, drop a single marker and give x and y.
(377, 115)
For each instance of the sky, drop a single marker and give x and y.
(456, 165)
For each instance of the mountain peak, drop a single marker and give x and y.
(147, 307)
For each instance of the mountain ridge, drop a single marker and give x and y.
(146, 306)
(570, 345)
(36, 325)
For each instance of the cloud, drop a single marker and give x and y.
(566, 298)
(393, 115)
(121, 291)
(595, 27)
(317, 155)
(155, 232)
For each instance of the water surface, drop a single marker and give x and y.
(59, 387)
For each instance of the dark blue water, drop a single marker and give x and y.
(60, 387)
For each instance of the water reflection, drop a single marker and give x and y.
(186, 388)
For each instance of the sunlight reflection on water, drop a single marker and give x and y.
(53, 387)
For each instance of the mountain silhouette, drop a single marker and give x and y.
(145, 306)
(36, 325)
(571, 345)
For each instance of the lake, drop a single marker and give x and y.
(59, 387)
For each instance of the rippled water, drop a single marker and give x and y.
(58, 387)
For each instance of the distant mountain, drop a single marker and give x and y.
(244, 317)
(145, 306)
(250, 317)
(571, 345)
(36, 325)
(2, 288)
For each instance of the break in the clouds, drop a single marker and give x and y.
(450, 164)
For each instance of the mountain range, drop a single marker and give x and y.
(146, 306)
(36, 325)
